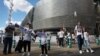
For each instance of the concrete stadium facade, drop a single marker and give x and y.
(28, 18)
(52, 14)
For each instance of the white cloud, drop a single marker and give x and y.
(19, 5)
(18, 22)
(2, 28)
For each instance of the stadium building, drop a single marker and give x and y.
(51, 15)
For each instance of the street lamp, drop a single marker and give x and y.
(10, 11)
(75, 14)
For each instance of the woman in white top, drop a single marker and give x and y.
(79, 33)
(86, 41)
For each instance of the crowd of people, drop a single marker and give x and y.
(80, 36)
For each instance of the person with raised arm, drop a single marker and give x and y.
(27, 34)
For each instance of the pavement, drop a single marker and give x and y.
(57, 51)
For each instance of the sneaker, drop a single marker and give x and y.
(87, 50)
(80, 52)
(23, 54)
(28, 53)
(46, 55)
(91, 51)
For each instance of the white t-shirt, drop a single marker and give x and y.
(69, 35)
(78, 30)
(86, 36)
(16, 38)
(60, 34)
(73, 36)
(43, 40)
(27, 34)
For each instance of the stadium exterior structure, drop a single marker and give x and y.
(53, 14)
(28, 18)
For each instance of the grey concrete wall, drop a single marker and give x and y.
(53, 13)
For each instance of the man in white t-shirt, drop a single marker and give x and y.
(79, 34)
(61, 37)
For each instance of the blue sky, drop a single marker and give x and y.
(18, 14)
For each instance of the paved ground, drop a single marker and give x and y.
(56, 51)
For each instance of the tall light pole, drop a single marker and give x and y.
(10, 11)
(75, 14)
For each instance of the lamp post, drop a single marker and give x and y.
(75, 14)
(10, 11)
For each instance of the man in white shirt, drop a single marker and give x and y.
(61, 37)
(79, 34)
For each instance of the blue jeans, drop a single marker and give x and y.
(86, 44)
(80, 41)
(7, 45)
